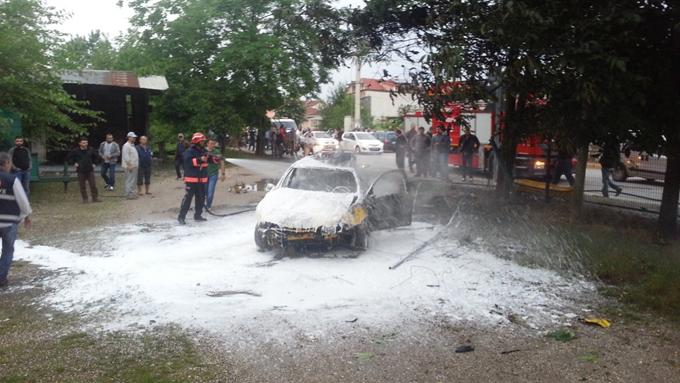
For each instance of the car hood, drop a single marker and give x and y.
(303, 209)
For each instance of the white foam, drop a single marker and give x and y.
(168, 275)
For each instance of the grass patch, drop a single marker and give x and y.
(562, 335)
(618, 248)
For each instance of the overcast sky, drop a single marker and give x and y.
(85, 16)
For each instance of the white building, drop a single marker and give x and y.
(376, 97)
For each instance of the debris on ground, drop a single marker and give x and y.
(562, 335)
(604, 323)
(465, 348)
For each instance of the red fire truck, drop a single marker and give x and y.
(530, 161)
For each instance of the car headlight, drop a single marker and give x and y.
(539, 165)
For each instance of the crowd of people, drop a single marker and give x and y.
(429, 151)
(135, 158)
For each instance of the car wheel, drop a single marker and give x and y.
(260, 241)
(620, 174)
(360, 237)
(357, 149)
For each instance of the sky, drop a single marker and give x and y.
(85, 16)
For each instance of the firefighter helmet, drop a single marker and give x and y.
(197, 137)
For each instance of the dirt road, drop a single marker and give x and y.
(129, 284)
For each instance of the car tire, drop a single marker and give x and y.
(260, 242)
(357, 149)
(620, 174)
(360, 239)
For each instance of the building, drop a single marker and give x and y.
(122, 98)
(312, 117)
(377, 97)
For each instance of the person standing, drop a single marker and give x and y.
(251, 139)
(440, 153)
(84, 158)
(14, 207)
(109, 151)
(609, 159)
(563, 165)
(400, 149)
(195, 178)
(145, 159)
(420, 144)
(130, 164)
(21, 162)
(215, 167)
(411, 157)
(468, 146)
(179, 155)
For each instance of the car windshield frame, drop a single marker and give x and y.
(298, 179)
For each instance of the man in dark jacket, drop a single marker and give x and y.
(179, 154)
(84, 158)
(468, 145)
(420, 144)
(411, 157)
(441, 145)
(144, 170)
(195, 178)
(14, 207)
(21, 161)
(400, 149)
(610, 157)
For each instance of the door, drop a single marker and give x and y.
(388, 202)
(348, 141)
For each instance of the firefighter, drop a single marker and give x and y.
(195, 178)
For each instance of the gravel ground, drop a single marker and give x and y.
(44, 345)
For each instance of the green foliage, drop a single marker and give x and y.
(229, 61)
(94, 51)
(339, 105)
(28, 87)
(292, 108)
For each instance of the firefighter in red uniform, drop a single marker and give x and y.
(195, 178)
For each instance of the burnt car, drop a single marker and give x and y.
(326, 200)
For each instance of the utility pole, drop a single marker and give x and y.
(357, 96)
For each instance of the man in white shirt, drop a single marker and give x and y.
(14, 207)
(130, 162)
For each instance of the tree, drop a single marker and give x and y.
(293, 109)
(229, 61)
(28, 86)
(338, 105)
(94, 51)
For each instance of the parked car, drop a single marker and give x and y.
(325, 200)
(389, 140)
(361, 142)
(323, 142)
(640, 164)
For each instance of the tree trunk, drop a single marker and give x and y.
(162, 154)
(579, 185)
(668, 212)
(508, 152)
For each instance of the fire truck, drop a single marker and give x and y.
(531, 153)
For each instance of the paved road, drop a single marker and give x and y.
(637, 193)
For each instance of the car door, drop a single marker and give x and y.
(388, 202)
(348, 141)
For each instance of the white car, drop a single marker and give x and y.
(361, 142)
(323, 142)
(325, 200)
